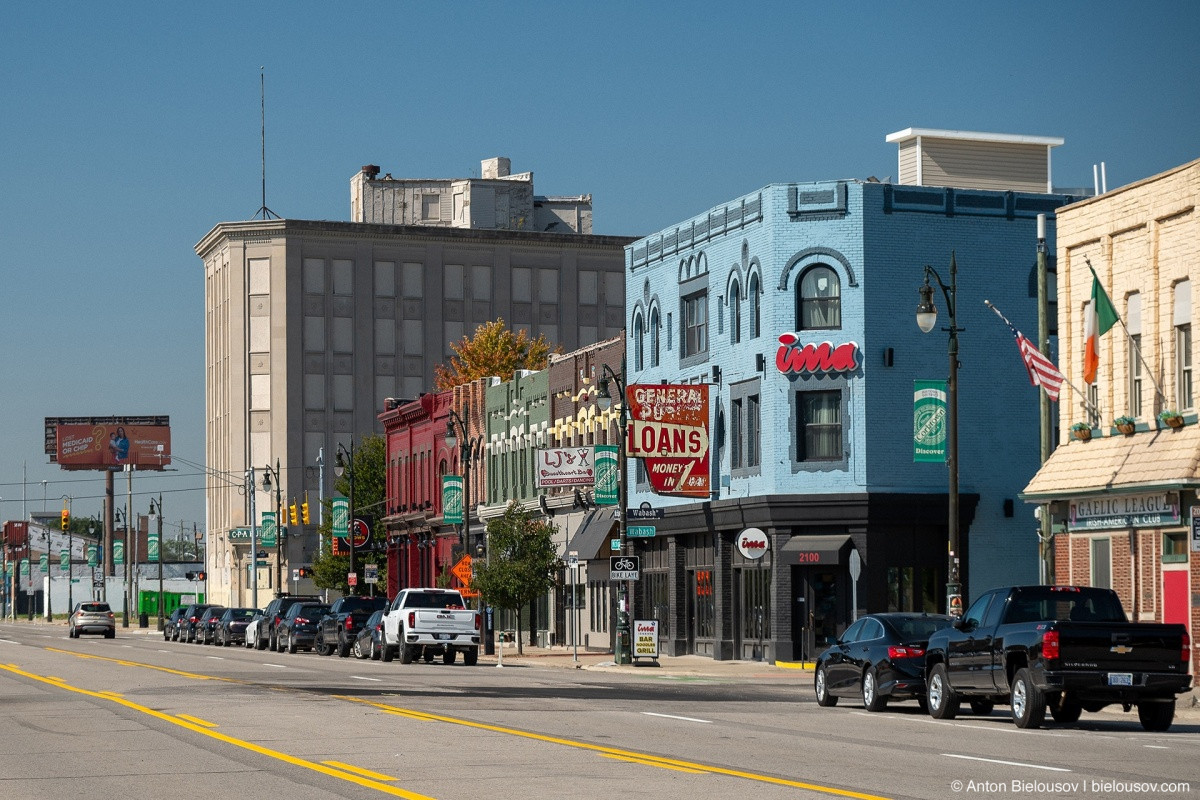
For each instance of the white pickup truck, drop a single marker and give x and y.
(425, 623)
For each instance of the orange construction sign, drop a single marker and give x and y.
(463, 571)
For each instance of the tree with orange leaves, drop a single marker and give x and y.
(493, 350)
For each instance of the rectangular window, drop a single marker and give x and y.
(1102, 563)
(1175, 547)
(314, 275)
(431, 208)
(1135, 374)
(452, 277)
(412, 279)
(736, 426)
(385, 278)
(1093, 394)
(694, 336)
(343, 277)
(522, 285)
(1183, 366)
(588, 288)
(752, 428)
(820, 428)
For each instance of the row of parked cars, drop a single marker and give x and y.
(1057, 650)
(289, 623)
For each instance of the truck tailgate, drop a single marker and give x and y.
(1121, 647)
(446, 620)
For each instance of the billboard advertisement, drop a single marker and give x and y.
(566, 466)
(109, 443)
(668, 427)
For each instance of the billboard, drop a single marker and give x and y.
(109, 442)
(669, 428)
(566, 466)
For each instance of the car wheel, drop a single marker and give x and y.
(872, 700)
(981, 706)
(1156, 716)
(942, 702)
(1066, 711)
(343, 647)
(471, 656)
(821, 684)
(385, 653)
(112, 634)
(375, 651)
(319, 645)
(449, 656)
(428, 656)
(358, 651)
(166, 634)
(407, 654)
(1028, 702)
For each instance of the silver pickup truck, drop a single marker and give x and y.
(426, 623)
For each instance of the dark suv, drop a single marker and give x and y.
(273, 615)
(188, 620)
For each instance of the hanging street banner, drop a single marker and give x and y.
(64, 559)
(152, 546)
(929, 421)
(44, 562)
(669, 429)
(565, 466)
(267, 532)
(452, 499)
(24, 567)
(607, 475)
(340, 519)
(93, 555)
(119, 552)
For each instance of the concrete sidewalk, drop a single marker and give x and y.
(678, 666)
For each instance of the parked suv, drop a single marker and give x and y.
(92, 617)
(298, 628)
(188, 620)
(273, 615)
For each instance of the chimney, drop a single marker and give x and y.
(370, 170)
(498, 167)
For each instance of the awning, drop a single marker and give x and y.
(829, 549)
(1155, 460)
(594, 532)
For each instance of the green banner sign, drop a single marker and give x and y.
(267, 533)
(24, 567)
(44, 562)
(340, 517)
(452, 499)
(929, 421)
(93, 555)
(64, 559)
(152, 547)
(607, 472)
(118, 552)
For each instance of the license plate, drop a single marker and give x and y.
(1120, 679)
(442, 636)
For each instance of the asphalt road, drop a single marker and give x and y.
(136, 717)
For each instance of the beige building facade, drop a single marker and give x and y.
(311, 325)
(1122, 501)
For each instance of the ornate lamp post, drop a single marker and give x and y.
(926, 319)
(621, 652)
(269, 475)
(344, 465)
(157, 511)
(466, 450)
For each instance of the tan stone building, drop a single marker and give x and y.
(311, 325)
(1122, 503)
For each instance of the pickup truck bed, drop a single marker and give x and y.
(426, 623)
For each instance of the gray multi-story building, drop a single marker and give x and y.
(310, 325)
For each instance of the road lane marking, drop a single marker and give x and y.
(197, 720)
(216, 658)
(366, 773)
(365, 782)
(616, 752)
(672, 716)
(1007, 763)
(8, 641)
(364, 678)
(646, 763)
(1156, 747)
(280, 666)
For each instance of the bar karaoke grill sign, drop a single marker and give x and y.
(668, 428)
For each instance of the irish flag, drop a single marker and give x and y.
(1101, 316)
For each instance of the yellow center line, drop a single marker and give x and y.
(646, 763)
(196, 728)
(197, 720)
(379, 776)
(614, 751)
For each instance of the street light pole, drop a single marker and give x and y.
(159, 512)
(266, 485)
(621, 652)
(926, 319)
(344, 465)
(466, 451)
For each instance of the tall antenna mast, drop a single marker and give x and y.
(264, 212)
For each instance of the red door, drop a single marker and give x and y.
(1175, 597)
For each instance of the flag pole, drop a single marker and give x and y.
(1158, 392)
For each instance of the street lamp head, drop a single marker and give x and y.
(451, 436)
(266, 481)
(926, 310)
(339, 464)
(603, 398)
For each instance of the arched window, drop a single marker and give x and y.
(819, 299)
(735, 313)
(637, 342)
(655, 329)
(755, 309)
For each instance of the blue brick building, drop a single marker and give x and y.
(819, 456)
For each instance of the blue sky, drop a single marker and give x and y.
(128, 130)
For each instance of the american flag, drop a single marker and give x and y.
(1041, 369)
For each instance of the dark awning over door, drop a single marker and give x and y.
(817, 549)
(593, 533)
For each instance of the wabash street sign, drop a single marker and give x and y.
(668, 428)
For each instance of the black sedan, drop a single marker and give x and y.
(879, 657)
(171, 626)
(298, 628)
(231, 627)
(369, 642)
(206, 626)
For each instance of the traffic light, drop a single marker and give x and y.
(304, 509)
(200, 576)
(305, 572)
(66, 519)
(293, 514)
(191, 576)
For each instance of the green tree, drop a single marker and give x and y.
(493, 350)
(521, 562)
(370, 495)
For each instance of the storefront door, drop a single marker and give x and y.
(821, 607)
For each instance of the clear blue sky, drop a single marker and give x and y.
(128, 130)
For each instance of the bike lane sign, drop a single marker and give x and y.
(623, 568)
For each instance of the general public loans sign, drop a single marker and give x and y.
(1115, 512)
(669, 429)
